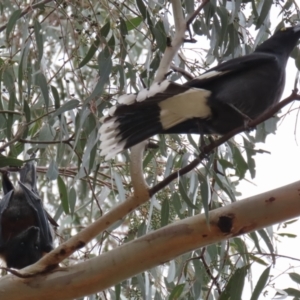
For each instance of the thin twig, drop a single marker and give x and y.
(183, 72)
(210, 147)
(209, 273)
(191, 18)
(181, 25)
(11, 112)
(27, 10)
(16, 138)
(25, 141)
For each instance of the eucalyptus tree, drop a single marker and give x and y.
(162, 220)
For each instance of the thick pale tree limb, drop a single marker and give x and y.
(140, 196)
(140, 187)
(157, 247)
(171, 51)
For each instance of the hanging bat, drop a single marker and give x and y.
(25, 232)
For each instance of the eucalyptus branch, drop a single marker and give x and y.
(52, 259)
(66, 141)
(140, 196)
(141, 192)
(11, 112)
(191, 18)
(171, 51)
(27, 10)
(156, 248)
(16, 138)
(140, 187)
(209, 273)
(181, 25)
(216, 143)
(183, 72)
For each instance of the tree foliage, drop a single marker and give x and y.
(63, 64)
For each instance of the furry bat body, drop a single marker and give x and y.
(25, 232)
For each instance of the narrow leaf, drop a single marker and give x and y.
(267, 240)
(22, 66)
(264, 12)
(133, 23)
(176, 292)
(205, 193)
(123, 27)
(165, 212)
(72, 200)
(292, 292)
(12, 22)
(90, 53)
(118, 291)
(262, 281)
(254, 237)
(177, 205)
(185, 196)
(239, 161)
(27, 111)
(39, 39)
(52, 172)
(42, 83)
(105, 67)
(95, 46)
(63, 194)
(66, 107)
(105, 29)
(234, 287)
(119, 185)
(10, 161)
(55, 96)
(47, 133)
(295, 277)
(142, 8)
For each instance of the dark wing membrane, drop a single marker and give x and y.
(23, 249)
(232, 66)
(28, 176)
(28, 184)
(6, 183)
(3, 206)
(247, 61)
(45, 232)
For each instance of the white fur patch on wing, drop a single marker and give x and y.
(108, 126)
(112, 110)
(184, 106)
(111, 143)
(211, 74)
(154, 89)
(112, 150)
(127, 99)
(144, 94)
(190, 104)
